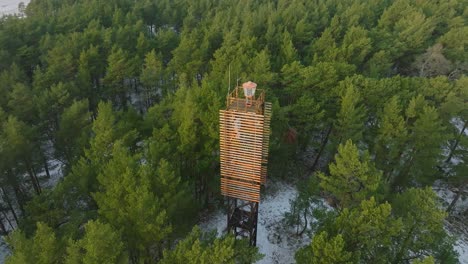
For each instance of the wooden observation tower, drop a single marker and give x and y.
(244, 140)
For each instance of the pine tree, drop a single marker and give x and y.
(151, 77)
(352, 177)
(74, 128)
(174, 194)
(51, 103)
(288, 53)
(428, 136)
(119, 71)
(423, 226)
(324, 250)
(91, 69)
(100, 244)
(350, 117)
(423, 153)
(291, 80)
(198, 249)
(42, 248)
(324, 48)
(304, 116)
(21, 149)
(21, 103)
(125, 201)
(369, 230)
(82, 179)
(391, 137)
(356, 46)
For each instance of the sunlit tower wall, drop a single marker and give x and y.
(244, 140)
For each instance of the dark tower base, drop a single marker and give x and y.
(242, 219)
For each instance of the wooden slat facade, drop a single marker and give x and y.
(266, 140)
(244, 139)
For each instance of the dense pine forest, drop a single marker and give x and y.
(120, 99)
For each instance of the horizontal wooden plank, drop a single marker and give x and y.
(245, 198)
(233, 160)
(239, 152)
(250, 158)
(241, 173)
(229, 186)
(240, 194)
(241, 168)
(247, 143)
(255, 194)
(232, 139)
(241, 176)
(251, 152)
(241, 121)
(242, 126)
(244, 175)
(235, 143)
(246, 185)
(244, 131)
(237, 113)
(242, 118)
(242, 156)
(249, 198)
(241, 182)
(232, 188)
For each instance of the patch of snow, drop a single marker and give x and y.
(55, 171)
(458, 123)
(447, 195)
(274, 239)
(461, 246)
(8, 220)
(278, 245)
(10, 7)
(454, 226)
(3, 250)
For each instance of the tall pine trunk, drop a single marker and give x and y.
(455, 144)
(9, 222)
(2, 226)
(46, 167)
(322, 148)
(33, 181)
(458, 194)
(33, 177)
(19, 198)
(399, 179)
(10, 206)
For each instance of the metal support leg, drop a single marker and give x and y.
(242, 217)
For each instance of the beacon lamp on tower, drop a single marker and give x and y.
(249, 92)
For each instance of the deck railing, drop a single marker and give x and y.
(238, 95)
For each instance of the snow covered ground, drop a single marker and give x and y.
(277, 244)
(461, 247)
(458, 229)
(273, 241)
(9, 7)
(56, 173)
(3, 250)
